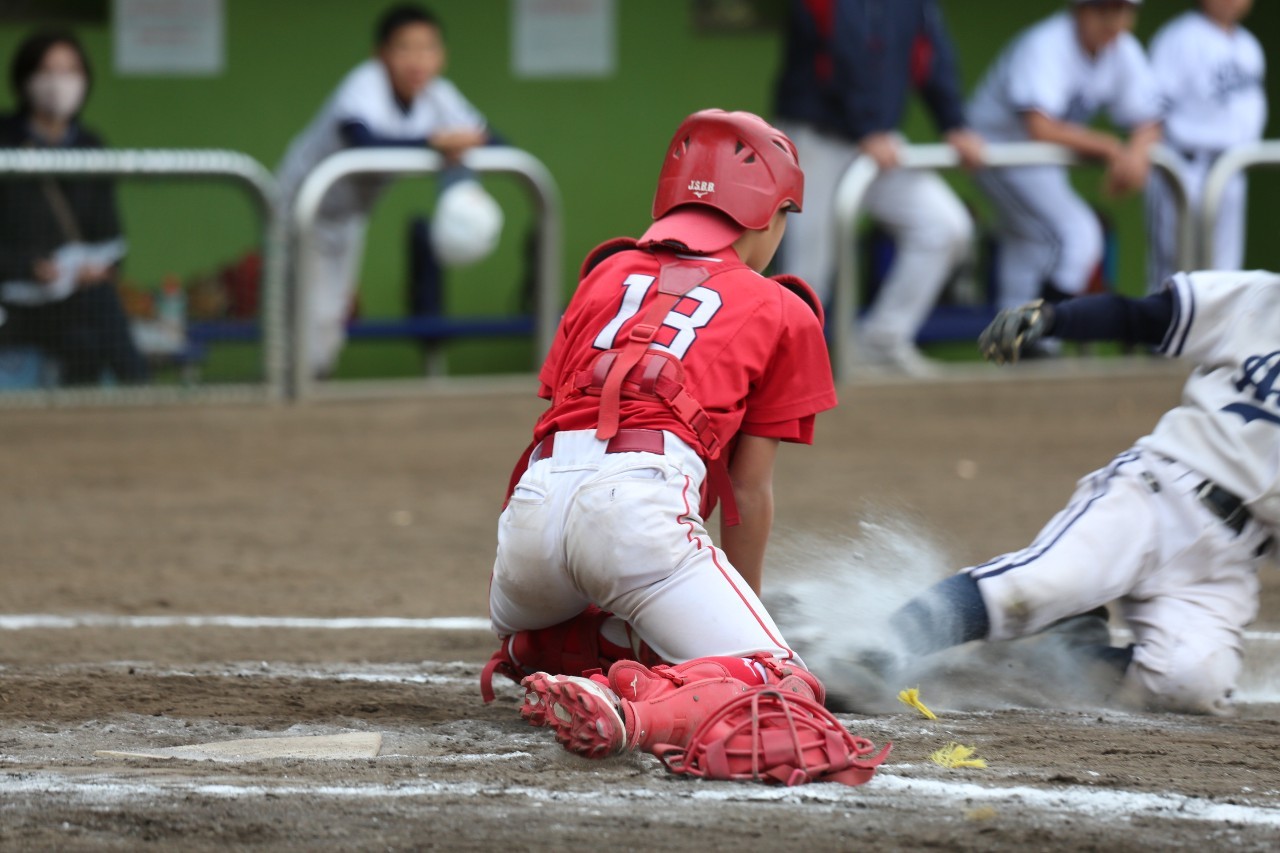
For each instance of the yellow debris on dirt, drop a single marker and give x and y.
(954, 756)
(911, 696)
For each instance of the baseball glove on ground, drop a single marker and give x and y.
(770, 736)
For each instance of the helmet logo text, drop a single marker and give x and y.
(701, 188)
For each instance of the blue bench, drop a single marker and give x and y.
(964, 322)
(427, 329)
(25, 368)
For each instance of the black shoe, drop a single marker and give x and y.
(1090, 628)
(862, 683)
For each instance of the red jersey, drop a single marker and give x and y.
(753, 352)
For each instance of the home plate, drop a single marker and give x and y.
(350, 745)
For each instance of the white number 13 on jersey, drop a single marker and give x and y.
(685, 325)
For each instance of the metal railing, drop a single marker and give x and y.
(1224, 170)
(403, 162)
(230, 166)
(852, 189)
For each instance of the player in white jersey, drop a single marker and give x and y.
(1173, 530)
(1210, 70)
(848, 71)
(396, 98)
(1047, 85)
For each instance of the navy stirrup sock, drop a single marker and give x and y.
(949, 613)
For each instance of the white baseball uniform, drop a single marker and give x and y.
(1048, 234)
(930, 226)
(1211, 82)
(364, 96)
(848, 69)
(625, 530)
(1139, 530)
(621, 530)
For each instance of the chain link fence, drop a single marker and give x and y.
(115, 288)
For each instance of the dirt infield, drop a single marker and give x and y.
(132, 536)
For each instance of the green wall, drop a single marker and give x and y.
(601, 139)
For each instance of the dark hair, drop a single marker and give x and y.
(27, 59)
(400, 16)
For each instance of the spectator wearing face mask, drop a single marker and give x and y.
(60, 238)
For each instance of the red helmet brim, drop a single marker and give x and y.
(698, 228)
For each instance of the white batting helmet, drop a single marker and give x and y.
(466, 225)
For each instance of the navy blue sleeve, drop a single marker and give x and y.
(871, 57)
(846, 65)
(940, 87)
(1109, 317)
(358, 135)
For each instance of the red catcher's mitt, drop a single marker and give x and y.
(768, 736)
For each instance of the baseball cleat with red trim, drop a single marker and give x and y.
(584, 714)
(640, 708)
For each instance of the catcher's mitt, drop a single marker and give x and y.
(1014, 331)
(770, 736)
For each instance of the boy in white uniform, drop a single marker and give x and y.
(849, 68)
(1174, 529)
(1210, 70)
(396, 98)
(1047, 86)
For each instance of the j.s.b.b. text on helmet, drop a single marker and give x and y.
(736, 163)
(701, 188)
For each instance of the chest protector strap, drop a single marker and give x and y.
(674, 281)
(652, 373)
(635, 371)
(660, 375)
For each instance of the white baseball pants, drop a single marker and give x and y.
(331, 277)
(622, 531)
(1136, 533)
(1162, 222)
(931, 228)
(1047, 232)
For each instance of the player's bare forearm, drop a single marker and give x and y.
(1082, 140)
(452, 144)
(1144, 136)
(968, 145)
(745, 542)
(751, 473)
(1127, 170)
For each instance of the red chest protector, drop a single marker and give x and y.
(634, 371)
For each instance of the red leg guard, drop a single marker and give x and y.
(573, 647)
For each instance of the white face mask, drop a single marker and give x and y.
(57, 94)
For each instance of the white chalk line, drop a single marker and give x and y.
(1107, 804)
(277, 671)
(418, 760)
(373, 674)
(49, 621)
(1103, 803)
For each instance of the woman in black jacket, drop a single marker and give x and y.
(60, 240)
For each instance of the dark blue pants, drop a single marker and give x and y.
(88, 333)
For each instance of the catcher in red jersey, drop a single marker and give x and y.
(675, 373)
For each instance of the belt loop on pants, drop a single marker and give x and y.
(1224, 505)
(625, 441)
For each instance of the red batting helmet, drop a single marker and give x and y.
(732, 162)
